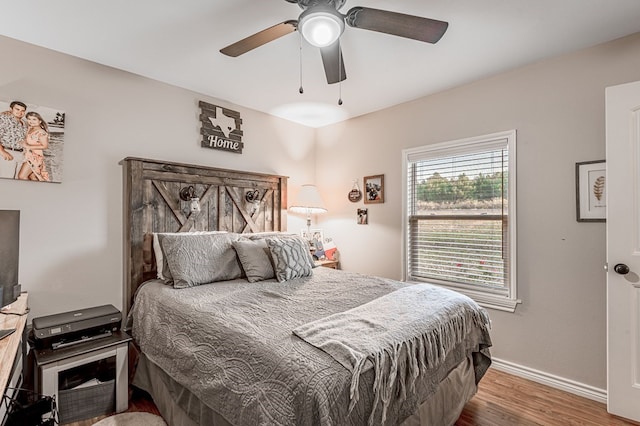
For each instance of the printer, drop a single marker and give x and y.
(73, 327)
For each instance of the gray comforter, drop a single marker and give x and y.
(231, 344)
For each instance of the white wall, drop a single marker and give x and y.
(557, 108)
(71, 233)
(71, 244)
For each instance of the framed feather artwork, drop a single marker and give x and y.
(591, 191)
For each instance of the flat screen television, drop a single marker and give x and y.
(9, 260)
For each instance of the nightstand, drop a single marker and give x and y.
(333, 264)
(88, 379)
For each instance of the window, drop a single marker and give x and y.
(460, 217)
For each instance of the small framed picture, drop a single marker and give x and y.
(591, 191)
(316, 238)
(374, 189)
(363, 216)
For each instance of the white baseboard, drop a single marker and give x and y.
(576, 388)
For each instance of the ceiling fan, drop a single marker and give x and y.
(321, 24)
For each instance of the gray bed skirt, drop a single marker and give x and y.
(180, 407)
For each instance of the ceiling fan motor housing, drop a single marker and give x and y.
(305, 4)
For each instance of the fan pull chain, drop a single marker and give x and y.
(339, 73)
(301, 90)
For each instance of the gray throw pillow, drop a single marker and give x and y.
(197, 259)
(279, 234)
(269, 234)
(255, 258)
(291, 258)
(162, 268)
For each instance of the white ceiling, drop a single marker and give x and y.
(178, 42)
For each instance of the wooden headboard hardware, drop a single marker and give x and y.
(152, 203)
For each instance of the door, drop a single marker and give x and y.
(623, 249)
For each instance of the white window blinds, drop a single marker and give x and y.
(458, 216)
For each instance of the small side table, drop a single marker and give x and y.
(333, 264)
(12, 354)
(51, 364)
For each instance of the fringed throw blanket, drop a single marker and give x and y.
(397, 336)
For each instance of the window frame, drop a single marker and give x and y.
(504, 301)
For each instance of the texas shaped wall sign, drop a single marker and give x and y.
(221, 128)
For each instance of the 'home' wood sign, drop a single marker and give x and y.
(221, 128)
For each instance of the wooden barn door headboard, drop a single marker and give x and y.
(152, 203)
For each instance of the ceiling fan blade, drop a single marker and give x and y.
(399, 24)
(333, 63)
(260, 38)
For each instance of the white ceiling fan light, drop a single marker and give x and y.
(321, 26)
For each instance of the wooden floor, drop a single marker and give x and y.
(502, 400)
(507, 400)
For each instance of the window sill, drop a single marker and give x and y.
(500, 303)
(486, 300)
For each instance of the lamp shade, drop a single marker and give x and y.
(308, 201)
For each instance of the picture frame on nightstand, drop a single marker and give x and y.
(316, 238)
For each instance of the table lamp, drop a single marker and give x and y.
(310, 202)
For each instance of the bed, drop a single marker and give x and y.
(228, 340)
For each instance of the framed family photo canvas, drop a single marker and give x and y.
(591, 191)
(374, 189)
(31, 141)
